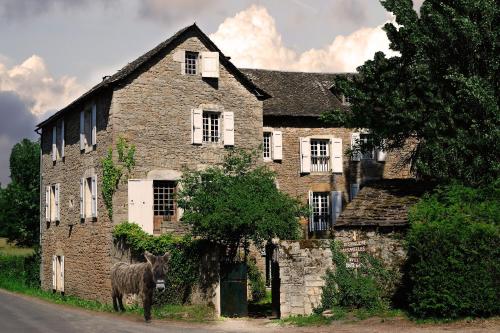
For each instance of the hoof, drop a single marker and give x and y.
(147, 321)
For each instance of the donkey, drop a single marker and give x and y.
(139, 279)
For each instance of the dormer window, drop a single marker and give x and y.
(191, 62)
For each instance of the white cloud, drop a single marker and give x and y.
(32, 81)
(251, 39)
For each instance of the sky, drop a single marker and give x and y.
(52, 51)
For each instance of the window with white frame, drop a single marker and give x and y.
(164, 199)
(58, 273)
(320, 208)
(211, 126)
(366, 143)
(88, 197)
(58, 141)
(88, 130)
(266, 145)
(191, 62)
(52, 206)
(320, 155)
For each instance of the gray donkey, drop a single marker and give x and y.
(139, 279)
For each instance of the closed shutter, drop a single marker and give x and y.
(54, 272)
(228, 128)
(82, 198)
(336, 205)
(47, 203)
(355, 144)
(210, 64)
(311, 213)
(54, 143)
(94, 124)
(354, 190)
(94, 196)
(336, 155)
(61, 284)
(57, 206)
(305, 155)
(82, 130)
(140, 203)
(197, 126)
(180, 56)
(63, 142)
(277, 146)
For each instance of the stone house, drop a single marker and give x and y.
(183, 105)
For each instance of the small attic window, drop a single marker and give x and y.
(191, 61)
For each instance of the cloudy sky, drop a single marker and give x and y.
(51, 51)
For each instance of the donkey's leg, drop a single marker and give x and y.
(114, 296)
(120, 302)
(148, 300)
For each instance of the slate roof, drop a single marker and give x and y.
(299, 94)
(382, 203)
(145, 58)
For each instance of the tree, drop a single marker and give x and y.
(441, 92)
(19, 201)
(237, 203)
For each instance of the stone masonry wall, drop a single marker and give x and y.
(303, 265)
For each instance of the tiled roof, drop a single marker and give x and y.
(299, 94)
(382, 203)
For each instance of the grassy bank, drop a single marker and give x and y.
(11, 250)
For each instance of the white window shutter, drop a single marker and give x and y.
(197, 126)
(47, 203)
(311, 215)
(82, 130)
(62, 274)
(57, 205)
(54, 270)
(180, 56)
(94, 124)
(94, 195)
(336, 155)
(354, 190)
(82, 198)
(356, 154)
(277, 146)
(210, 64)
(63, 142)
(228, 128)
(54, 143)
(381, 154)
(305, 155)
(336, 205)
(140, 203)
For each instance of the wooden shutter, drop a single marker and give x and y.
(54, 143)
(228, 128)
(63, 142)
(311, 215)
(57, 205)
(82, 130)
(140, 203)
(54, 270)
(355, 144)
(180, 56)
(210, 64)
(61, 276)
(305, 155)
(94, 124)
(82, 198)
(197, 126)
(47, 203)
(336, 156)
(336, 206)
(94, 195)
(277, 146)
(354, 190)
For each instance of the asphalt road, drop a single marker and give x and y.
(29, 315)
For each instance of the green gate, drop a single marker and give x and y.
(233, 290)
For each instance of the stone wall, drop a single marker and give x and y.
(303, 265)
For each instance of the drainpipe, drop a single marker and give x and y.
(40, 207)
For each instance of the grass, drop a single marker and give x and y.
(11, 250)
(262, 308)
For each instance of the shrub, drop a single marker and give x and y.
(24, 269)
(453, 253)
(257, 283)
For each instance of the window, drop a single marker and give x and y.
(52, 212)
(88, 197)
(164, 198)
(320, 156)
(58, 273)
(211, 131)
(320, 211)
(58, 141)
(191, 61)
(267, 145)
(366, 143)
(88, 131)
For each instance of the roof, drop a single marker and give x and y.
(299, 94)
(382, 203)
(138, 63)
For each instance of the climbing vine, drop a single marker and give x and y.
(112, 172)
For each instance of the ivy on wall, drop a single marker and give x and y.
(112, 172)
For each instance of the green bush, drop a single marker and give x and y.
(24, 269)
(453, 253)
(184, 262)
(257, 283)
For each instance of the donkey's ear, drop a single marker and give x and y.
(167, 256)
(149, 257)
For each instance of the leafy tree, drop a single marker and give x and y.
(441, 92)
(19, 201)
(237, 203)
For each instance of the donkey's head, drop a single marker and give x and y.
(159, 268)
